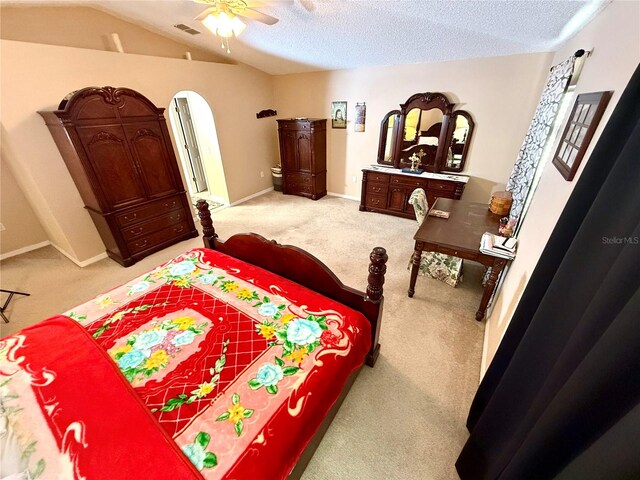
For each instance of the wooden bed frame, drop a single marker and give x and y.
(303, 268)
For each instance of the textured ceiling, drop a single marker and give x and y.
(332, 34)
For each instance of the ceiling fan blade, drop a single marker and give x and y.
(206, 12)
(308, 5)
(258, 16)
(205, 2)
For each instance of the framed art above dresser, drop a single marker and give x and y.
(425, 145)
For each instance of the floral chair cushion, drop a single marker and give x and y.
(445, 268)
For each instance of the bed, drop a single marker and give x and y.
(228, 361)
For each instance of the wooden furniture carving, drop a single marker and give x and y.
(429, 120)
(303, 156)
(459, 235)
(117, 148)
(387, 190)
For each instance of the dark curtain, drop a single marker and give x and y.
(561, 398)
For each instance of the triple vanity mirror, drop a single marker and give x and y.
(426, 133)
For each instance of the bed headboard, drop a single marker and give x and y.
(303, 268)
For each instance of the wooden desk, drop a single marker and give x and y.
(459, 235)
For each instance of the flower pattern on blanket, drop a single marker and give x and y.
(152, 348)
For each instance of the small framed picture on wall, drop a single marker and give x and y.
(582, 123)
(338, 114)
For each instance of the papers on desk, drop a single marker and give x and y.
(498, 246)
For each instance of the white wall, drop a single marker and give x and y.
(499, 92)
(614, 37)
(36, 77)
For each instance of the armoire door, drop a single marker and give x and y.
(288, 154)
(150, 151)
(107, 151)
(303, 151)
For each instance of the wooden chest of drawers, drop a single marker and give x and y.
(389, 192)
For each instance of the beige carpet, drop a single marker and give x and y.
(403, 419)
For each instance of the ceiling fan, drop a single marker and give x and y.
(224, 17)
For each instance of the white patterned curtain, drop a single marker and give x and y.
(534, 142)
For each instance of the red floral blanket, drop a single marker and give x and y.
(238, 365)
(53, 375)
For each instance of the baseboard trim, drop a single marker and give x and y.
(342, 195)
(246, 199)
(485, 348)
(22, 250)
(80, 263)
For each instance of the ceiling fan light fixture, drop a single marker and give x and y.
(223, 24)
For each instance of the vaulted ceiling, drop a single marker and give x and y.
(333, 34)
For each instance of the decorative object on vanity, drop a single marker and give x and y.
(524, 170)
(338, 114)
(446, 268)
(415, 163)
(583, 121)
(266, 113)
(460, 236)
(361, 117)
(428, 126)
(387, 190)
(303, 156)
(500, 203)
(117, 148)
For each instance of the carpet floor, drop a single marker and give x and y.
(403, 419)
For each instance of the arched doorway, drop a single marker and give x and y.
(194, 132)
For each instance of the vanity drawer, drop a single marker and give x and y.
(377, 188)
(377, 177)
(153, 225)
(157, 238)
(377, 201)
(148, 211)
(405, 180)
(441, 186)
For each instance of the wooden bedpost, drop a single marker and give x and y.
(377, 269)
(208, 231)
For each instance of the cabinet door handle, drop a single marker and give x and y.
(128, 218)
(141, 244)
(173, 204)
(136, 231)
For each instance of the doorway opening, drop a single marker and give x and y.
(196, 139)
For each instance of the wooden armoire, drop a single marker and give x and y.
(117, 148)
(303, 156)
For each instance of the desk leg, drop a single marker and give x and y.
(496, 268)
(415, 266)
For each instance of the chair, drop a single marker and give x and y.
(445, 268)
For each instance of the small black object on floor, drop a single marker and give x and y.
(6, 303)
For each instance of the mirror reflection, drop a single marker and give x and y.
(459, 139)
(422, 127)
(387, 137)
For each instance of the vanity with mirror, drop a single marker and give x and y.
(423, 144)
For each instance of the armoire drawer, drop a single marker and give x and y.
(153, 225)
(156, 238)
(298, 180)
(377, 188)
(148, 211)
